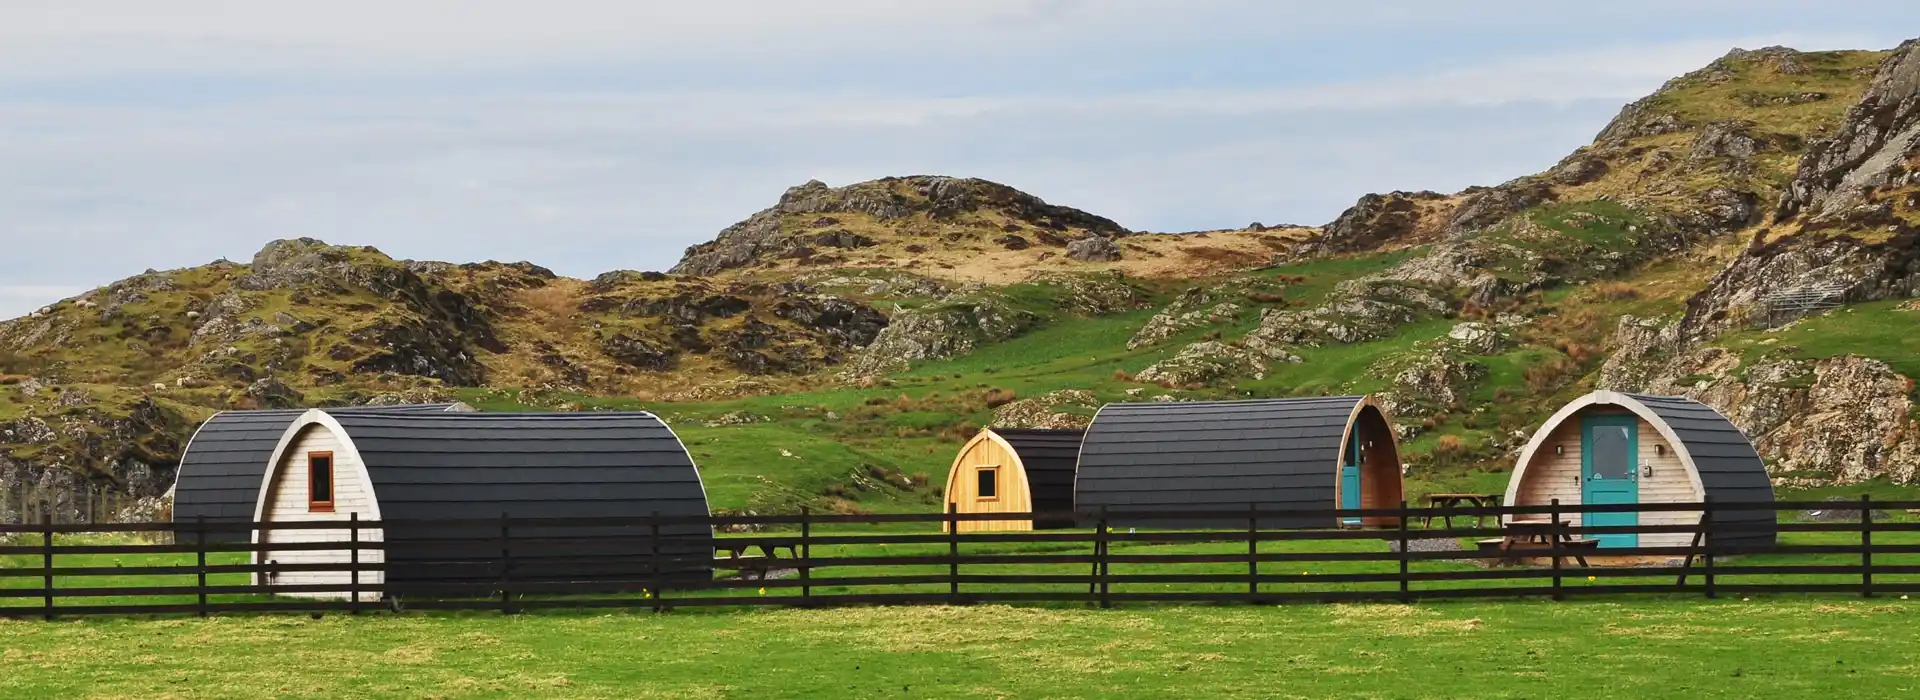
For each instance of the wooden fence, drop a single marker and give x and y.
(50, 570)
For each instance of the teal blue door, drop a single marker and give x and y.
(1350, 481)
(1610, 473)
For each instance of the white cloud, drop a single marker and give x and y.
(593, 134)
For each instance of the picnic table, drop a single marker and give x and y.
(1535, 534)
(736, 557)
(1456, 500)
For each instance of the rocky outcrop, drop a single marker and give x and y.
(951, 327)
(1838, 420)
(1430, 380)
(1374, 221)
(1873, 148)
(129, 448)
(1361, 310)
(1044, 411)
(638, 353)
(1848, 268)
(1093, 294)
(769, 235)
(1196, 308)
(1094, 249)
(1206, 362)
(1482, 207)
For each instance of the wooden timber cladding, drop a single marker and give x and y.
(1031, 470)
(1695, 454)
(1276, 454)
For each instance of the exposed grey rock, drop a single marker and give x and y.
(1880, 133)
(1204, 363)
(1477, 338)
(1837, 420)
(1486, 206)
(1194, 309)
(1094, 294)
(1044, 411)
(1429, 380)
(268, 392)
(639, 354)
(1374, 220)
(949, 328)
(1094, 249)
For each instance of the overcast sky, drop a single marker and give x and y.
(588, 135)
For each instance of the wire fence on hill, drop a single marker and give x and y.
(1251, 555)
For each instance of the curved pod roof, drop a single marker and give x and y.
(427, 467)
(1720, 461)
(1042, 463)
(1277, 454)
(220, 470)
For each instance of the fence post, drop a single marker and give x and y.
(660, 566)
(200, 562)
(353, 561)
(506, 566)
(1706, 543)
(1253, 553)
(46, 560)
(1554, 544)
(1866, 546)
(806, 555)
(953, 554)
(1406, 588)
(1101, 559)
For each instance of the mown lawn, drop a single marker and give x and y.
(1589, 650)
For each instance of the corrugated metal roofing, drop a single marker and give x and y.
(1049, 457)
(220, 472)
(536, 465)
(1730, 470)
(1225, 455)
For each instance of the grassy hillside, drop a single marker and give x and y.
(834, 350)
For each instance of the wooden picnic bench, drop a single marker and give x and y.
(1456, 500)
(736, 556)
(1523, 535)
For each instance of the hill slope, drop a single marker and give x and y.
(835, 348)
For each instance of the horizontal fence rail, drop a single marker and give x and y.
(1252, 554)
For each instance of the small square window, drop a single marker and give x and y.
(989, 485)
(320, 482)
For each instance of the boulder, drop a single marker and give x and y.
(1094, 249)
(268, 392)
(1206, 362)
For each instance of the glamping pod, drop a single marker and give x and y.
(1008, 470)
(219, 475)
(476, 468)
(1276, 454)
(1611, 448)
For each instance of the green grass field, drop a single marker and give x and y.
(1727, 649)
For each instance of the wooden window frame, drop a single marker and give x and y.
(993, 469)
(333, 484)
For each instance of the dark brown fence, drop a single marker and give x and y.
(50, 570)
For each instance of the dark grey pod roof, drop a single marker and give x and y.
(1721, 457)
(220, 471)
(1050, 458)
(427, 469)
(1221, 455)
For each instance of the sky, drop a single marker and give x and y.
(591, 135)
